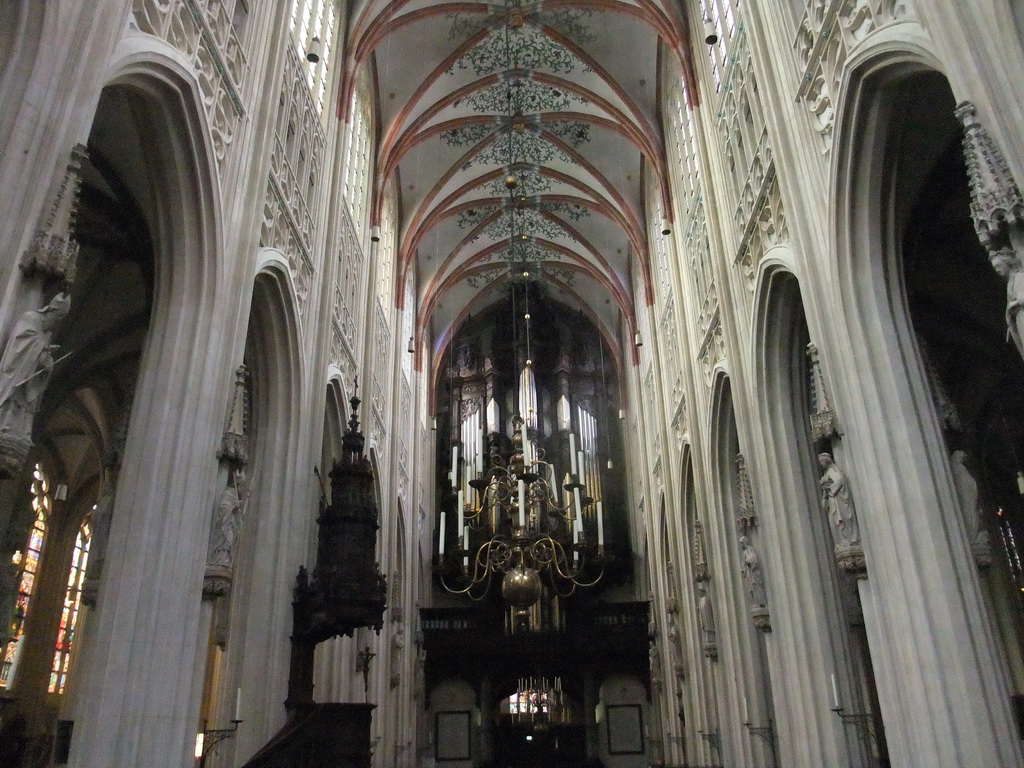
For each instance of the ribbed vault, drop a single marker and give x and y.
(561, 96)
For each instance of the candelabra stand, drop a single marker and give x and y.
(863, 722)
(767, 733)
(214, 736)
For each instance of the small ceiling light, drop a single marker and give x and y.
(316, 49)
(375, 234)
(622, 414)
(412, 345)
(511, 182)
(710, 33)
(637, 340)
(666, 228)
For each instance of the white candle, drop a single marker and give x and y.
(580, 466)
(746, 714)
(465, 546)
(572, 452)
(522, 503)
(600, 524)
(238, 704)
(577, 525)
(440, 536)
(460, 510)
(1020, 483)
(526, 445)
(480, 461)
(835, 693)
(455, 465)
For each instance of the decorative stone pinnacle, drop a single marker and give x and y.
(824, 422)
(996, 202)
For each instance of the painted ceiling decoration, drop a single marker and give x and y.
(517, 134)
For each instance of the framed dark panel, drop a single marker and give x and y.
(625, 729)
(62, 741)
(451, 735)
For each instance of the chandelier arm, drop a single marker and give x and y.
(586, 584)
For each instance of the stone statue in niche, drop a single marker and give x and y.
(101, 518)
(224, 534)
(465, 360)
(656, 676)
(705, 614)
(837, 500)
(970, 508)
(1007, 265)
(397, 649)
(24, 372)
(753, 573)
(674, 648)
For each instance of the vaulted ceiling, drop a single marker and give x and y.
(520, 136)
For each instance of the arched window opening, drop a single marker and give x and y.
(29, 564)
(70, 611)
(315, 19)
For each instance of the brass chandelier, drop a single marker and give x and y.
(515, 517)
(521, 524)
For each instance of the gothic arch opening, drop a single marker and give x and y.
(275, 531)
(923, 298)
(956, 306)
(801, 422)
(741, 590)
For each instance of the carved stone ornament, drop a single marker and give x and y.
(747, 517)
(996, 202)
(53, 251)
(234, 447)
(851, 559)
(761, 617)
(824, 421)
(25, 369)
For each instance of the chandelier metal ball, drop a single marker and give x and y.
(511, 182)
(521, 587)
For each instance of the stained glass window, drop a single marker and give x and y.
(69, 614)
(28, 561)
(528, 703)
